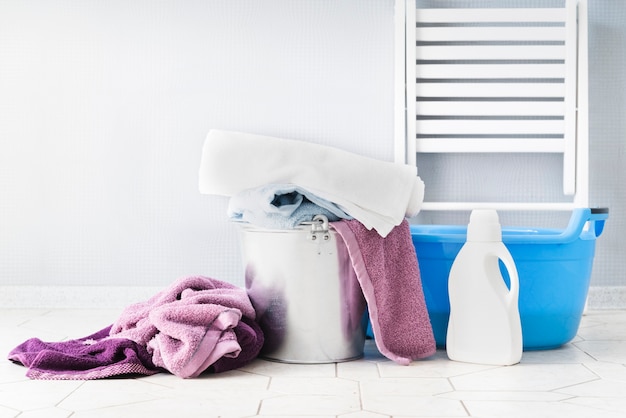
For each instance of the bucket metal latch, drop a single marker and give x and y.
(319, 229)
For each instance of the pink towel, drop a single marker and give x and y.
(188, 326)
(388, 273)
(196, 324)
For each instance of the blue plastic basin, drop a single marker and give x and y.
(554, 268)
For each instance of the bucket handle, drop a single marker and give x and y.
(593, 217)
(596, 219)
(319, 225)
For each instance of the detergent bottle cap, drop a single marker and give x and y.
(484, 226)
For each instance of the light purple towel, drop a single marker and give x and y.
(188, 326)
(198, 324)
(250, 338)
(388, 273)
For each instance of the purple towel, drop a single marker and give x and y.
(198, 324)
(188, 326)
(388, 273)
(92, 357)
(250, 337)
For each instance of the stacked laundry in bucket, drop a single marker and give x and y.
(199, 324)
(279, 184)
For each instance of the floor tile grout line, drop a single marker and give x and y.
(591, 371)
(454, 390)
(584, 351)
(360, 386)
(596, 379)
(57, 405)
(30, 318)
(465, 408)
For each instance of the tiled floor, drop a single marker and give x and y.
(586, 378)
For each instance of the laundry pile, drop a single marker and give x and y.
(379, 194)
(196, 325)
(199, 324)
(278, 183)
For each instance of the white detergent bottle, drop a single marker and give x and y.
(484, 324)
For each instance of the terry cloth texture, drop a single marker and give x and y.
(197, 324)
(388, 273)
(92, 357)
(190, 325)
(379, 194)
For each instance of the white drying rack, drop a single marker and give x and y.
(495, 80)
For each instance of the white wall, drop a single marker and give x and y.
(104, 106)
(607, 129)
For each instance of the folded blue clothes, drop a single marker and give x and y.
(281, 206)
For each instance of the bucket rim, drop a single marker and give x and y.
(512, 235)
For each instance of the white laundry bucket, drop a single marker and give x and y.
(305, 293)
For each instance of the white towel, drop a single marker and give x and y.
(377, 193)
